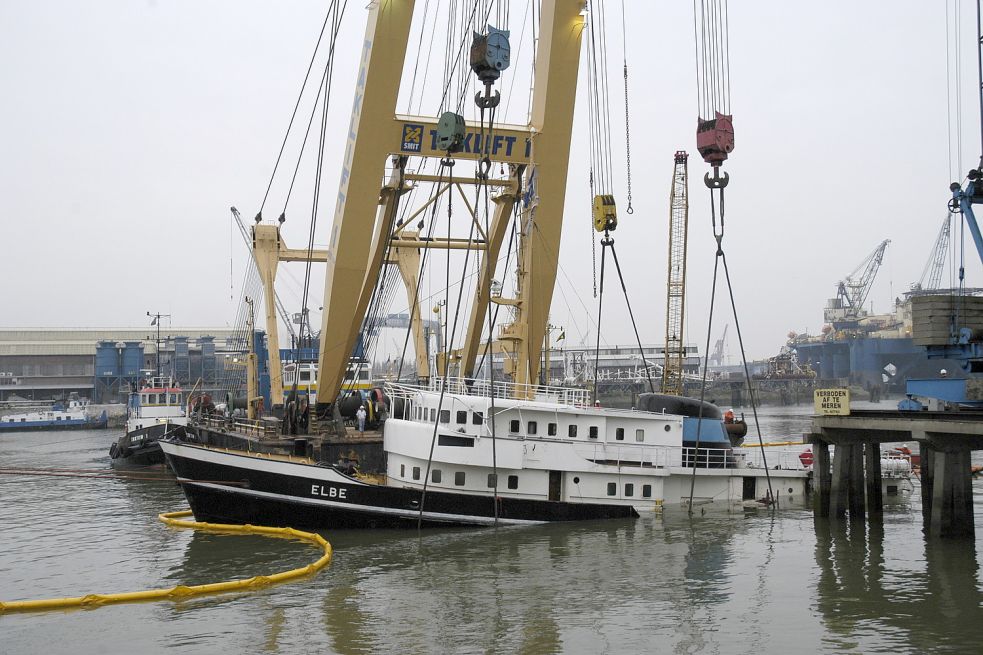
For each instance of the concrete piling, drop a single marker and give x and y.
(850, 485)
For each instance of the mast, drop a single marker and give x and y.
(156, 322)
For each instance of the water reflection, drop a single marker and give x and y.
(591, 588)
(922, 603)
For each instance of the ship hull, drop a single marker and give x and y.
(867, 361)
(238, 488)
(141, 448)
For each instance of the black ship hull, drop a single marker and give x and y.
(141, 448)
(227, 487)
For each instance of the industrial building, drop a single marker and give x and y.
(104, 363)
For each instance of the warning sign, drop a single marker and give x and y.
(832, 402)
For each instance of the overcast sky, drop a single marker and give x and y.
(128, 129)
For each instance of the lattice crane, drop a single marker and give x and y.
(675, 351)
(851, 293)
(935, 266)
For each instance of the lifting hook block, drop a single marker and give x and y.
(487, 101)
(716, 182)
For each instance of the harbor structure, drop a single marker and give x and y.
(105, 363)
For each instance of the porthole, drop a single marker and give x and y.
(790, 489)
(576, 480)
(668, 427)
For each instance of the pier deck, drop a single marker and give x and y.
(849, 483)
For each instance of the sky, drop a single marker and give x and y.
(128, 129)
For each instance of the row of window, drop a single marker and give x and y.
(436, 475)
(532, 427)
(159, 399)
(629, 489)
(461, 418)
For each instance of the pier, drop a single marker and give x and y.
(848, 483)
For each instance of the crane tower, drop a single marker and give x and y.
(847, 308)
(675, 351)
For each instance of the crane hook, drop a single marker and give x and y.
(716, 182)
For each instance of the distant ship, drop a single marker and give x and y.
(73, 416)
(874, 350)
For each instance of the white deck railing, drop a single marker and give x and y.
(500, 389)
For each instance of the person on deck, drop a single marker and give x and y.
(360, 415)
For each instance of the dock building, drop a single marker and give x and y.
(103, 363)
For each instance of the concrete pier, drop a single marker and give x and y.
(848, 484)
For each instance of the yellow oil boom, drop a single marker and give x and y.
(180, 592)
(364, 235)
(675, 352)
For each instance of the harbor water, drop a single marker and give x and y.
(747, 580)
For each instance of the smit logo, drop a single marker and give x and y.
(412, 137)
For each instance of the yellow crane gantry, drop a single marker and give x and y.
(377, 137)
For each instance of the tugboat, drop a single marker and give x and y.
(73, 416)
(157, 410)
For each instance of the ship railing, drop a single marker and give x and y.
(785, 459)
(714, 458)
(895, 465)
(254, 427)
(498, 389)
(673, 456)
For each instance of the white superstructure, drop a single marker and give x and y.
(159, 401)
(555, 446)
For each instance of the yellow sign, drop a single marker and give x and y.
(832, 402)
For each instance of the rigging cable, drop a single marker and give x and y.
(715, 142)
(624, 45)
(482, 188)
(449, 340)
(415, 301)
(482, 171)
(297, 104)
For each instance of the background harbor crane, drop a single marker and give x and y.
(847, 307)
(675, 353)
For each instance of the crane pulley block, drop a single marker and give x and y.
(605, 213)
(490, 54)
(450, 132)
(715, 138)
